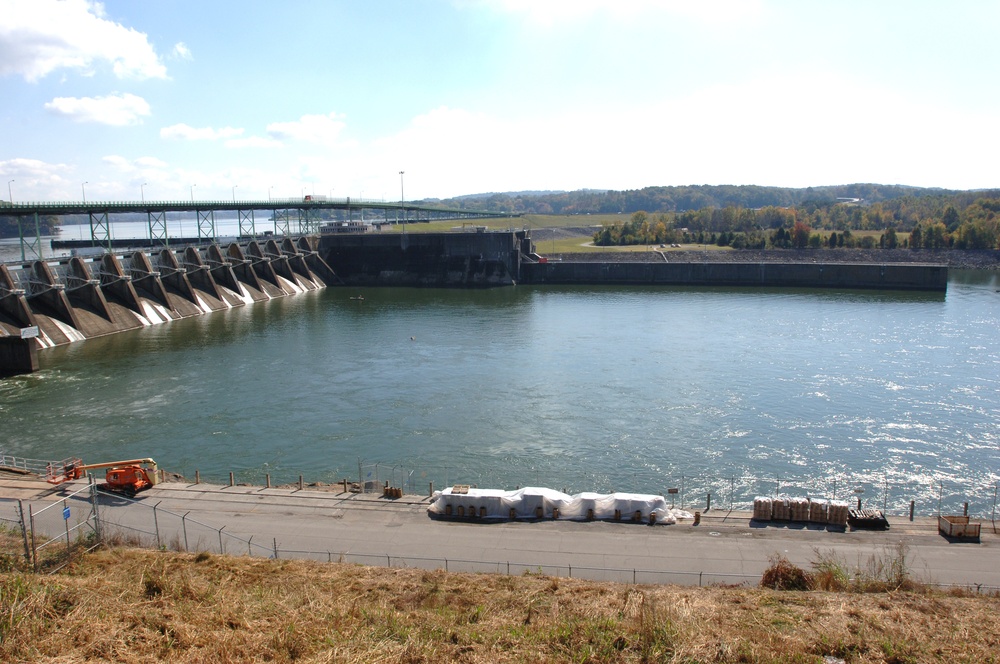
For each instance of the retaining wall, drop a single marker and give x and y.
(909, 276)
(424, 259)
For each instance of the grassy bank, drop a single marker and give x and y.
(137, 606)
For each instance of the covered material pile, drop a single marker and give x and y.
(800, 509)
(539, 502)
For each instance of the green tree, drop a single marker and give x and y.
(950, 219)
(800, 235)
(889, 240)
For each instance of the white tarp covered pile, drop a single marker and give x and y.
(539, 502)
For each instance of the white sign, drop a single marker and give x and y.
(29, 332)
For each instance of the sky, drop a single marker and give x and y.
(173, 99)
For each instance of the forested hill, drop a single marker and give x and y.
(697, 197)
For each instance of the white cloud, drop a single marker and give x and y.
(316, 129)
(116, 110)
(253, 142)
(182, 52)
(187, 133)
(38, 37)
(31, 168)
(150, 162)
(35, 179)
(118, 162)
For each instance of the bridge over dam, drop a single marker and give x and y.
(46, 303)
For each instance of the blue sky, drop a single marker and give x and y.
(162, 98)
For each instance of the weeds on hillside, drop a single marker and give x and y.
(885, 572)
(129, 605)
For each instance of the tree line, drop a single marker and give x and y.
(46, 226)
(915, 224)
(698, 197)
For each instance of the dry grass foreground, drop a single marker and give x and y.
(128, 605)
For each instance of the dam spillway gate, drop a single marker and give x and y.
(49, 303)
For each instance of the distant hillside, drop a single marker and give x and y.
(696, 197)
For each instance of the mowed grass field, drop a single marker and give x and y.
(554, 234)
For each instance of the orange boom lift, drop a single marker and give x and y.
(125, 477)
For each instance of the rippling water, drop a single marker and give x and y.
(737, 392)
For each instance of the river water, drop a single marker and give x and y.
(737, 392)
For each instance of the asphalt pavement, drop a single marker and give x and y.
(329, 524)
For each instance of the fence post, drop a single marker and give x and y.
(300, 483)
(24, 532)
(708, 505)
(185, 529)
(699, 578)
(571, 571)
(231, 479)
(995, 505)
(34, 549)
(222, 547)
(268, 476)
(95, 502)
(249, 546)
(197, 477)
(66, 523)
(275, 548)
(156, 526)
(912, 502)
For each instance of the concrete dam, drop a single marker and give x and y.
(50, 303)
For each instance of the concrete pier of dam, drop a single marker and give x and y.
(50, 303)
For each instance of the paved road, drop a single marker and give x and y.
(725, 548)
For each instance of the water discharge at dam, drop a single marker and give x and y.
(583, 388)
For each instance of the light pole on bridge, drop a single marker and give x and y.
(142, 191)
(192, 192)
(9, 193)
(83, 190)
(234, 192)
(402, 198)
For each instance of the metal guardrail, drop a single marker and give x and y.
(35, 466)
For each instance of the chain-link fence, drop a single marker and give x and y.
(46, 536)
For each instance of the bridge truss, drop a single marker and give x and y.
(289, 216)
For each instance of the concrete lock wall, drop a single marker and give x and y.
(423, 259)
(893, 276)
